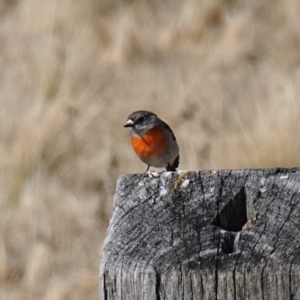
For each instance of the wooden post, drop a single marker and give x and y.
(204, 235)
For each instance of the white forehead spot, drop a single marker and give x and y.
(129, 121)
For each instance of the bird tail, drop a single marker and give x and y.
(174, 165)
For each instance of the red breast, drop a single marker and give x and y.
(151, 144)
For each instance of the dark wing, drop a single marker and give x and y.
(169, 128)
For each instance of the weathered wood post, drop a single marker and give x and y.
(204, 235)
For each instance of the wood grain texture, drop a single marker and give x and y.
(204, 235)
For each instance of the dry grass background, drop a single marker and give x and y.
(223, 73)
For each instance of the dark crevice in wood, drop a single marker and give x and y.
(233, 216)
(104, 287)
(250, 214)
(182, 284)
(202, 210)
(219, 238)
(234, 284)
(291, 275)
(290, 279)
(157, 286)
(227, 241)
(262, 285)
(191, 287)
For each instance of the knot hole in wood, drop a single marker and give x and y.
(232, 217)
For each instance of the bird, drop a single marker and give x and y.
(153, 140)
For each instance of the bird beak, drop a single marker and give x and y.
(129, 123)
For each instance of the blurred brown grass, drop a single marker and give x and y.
(224, 74)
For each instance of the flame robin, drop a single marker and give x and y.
(153, 140)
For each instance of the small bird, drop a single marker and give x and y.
(153, 140)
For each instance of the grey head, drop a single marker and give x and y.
(141, 121)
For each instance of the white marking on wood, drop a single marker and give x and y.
(185, 183)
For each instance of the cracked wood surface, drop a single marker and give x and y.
(204, 235)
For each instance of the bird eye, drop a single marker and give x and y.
(141, 119)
